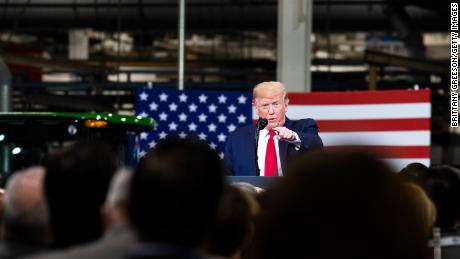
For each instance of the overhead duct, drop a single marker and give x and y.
(5, 87)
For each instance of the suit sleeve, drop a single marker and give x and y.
(308, 134)
(228, 156)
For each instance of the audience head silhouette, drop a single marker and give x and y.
(340, 205)
(76, 183)
(175, 192)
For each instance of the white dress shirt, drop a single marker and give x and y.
(262, 149)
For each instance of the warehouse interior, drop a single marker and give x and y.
(90, 55)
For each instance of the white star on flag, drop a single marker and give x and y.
(231, 128)
(192, 107)
(163, 97)
(182, 135)
(144, 135)
(222, 137)
(202, 98)
(143, 96)
(212, 108)
(183, 98)
(202, 136)
(192, 127)
(163, 116)
(182, 117)
(242, 99)
(172, 126)
(241, 119)
(222, 98)
(231, 108)
(162, 135)
(212, 145)
(152, 144)
(173, 107)
(222, 118)
(142, 153)
(212, 127)
(153, 106)
(202, 117)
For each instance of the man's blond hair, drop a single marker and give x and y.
(269, 89)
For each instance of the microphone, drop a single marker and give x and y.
(261, 124)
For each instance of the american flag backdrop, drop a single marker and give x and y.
(395, 123)
(209, 115)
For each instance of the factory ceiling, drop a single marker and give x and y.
(212, 16)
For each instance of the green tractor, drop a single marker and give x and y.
(26, 137)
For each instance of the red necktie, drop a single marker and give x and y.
(271, 167)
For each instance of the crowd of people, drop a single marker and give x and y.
(178, 204)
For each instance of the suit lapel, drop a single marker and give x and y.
(283, 147)
(252, 141)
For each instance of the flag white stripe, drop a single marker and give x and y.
(366, 111)
(399, 163)
(377, 138)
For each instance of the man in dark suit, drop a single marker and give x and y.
(280, 139)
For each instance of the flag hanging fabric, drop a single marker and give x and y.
(394, 123)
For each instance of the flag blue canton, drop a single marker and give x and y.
(208, 115)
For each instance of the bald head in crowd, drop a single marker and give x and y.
(116, 203)
(26, 215)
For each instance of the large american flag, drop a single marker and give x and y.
(395, 123)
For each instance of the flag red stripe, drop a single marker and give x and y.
(389, 151)
(373, 125)
(360, 97)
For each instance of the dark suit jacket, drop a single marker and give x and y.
(239, 154)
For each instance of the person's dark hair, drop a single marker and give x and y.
(413, 172)
(175, 192)
(233, 226)
(76, 183)
(340, 204)
(442, 185)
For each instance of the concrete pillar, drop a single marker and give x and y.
(5, 87)
(294, 45)
(78, 44)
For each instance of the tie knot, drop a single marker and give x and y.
(272, 133)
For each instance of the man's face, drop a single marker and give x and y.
(272, 108)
